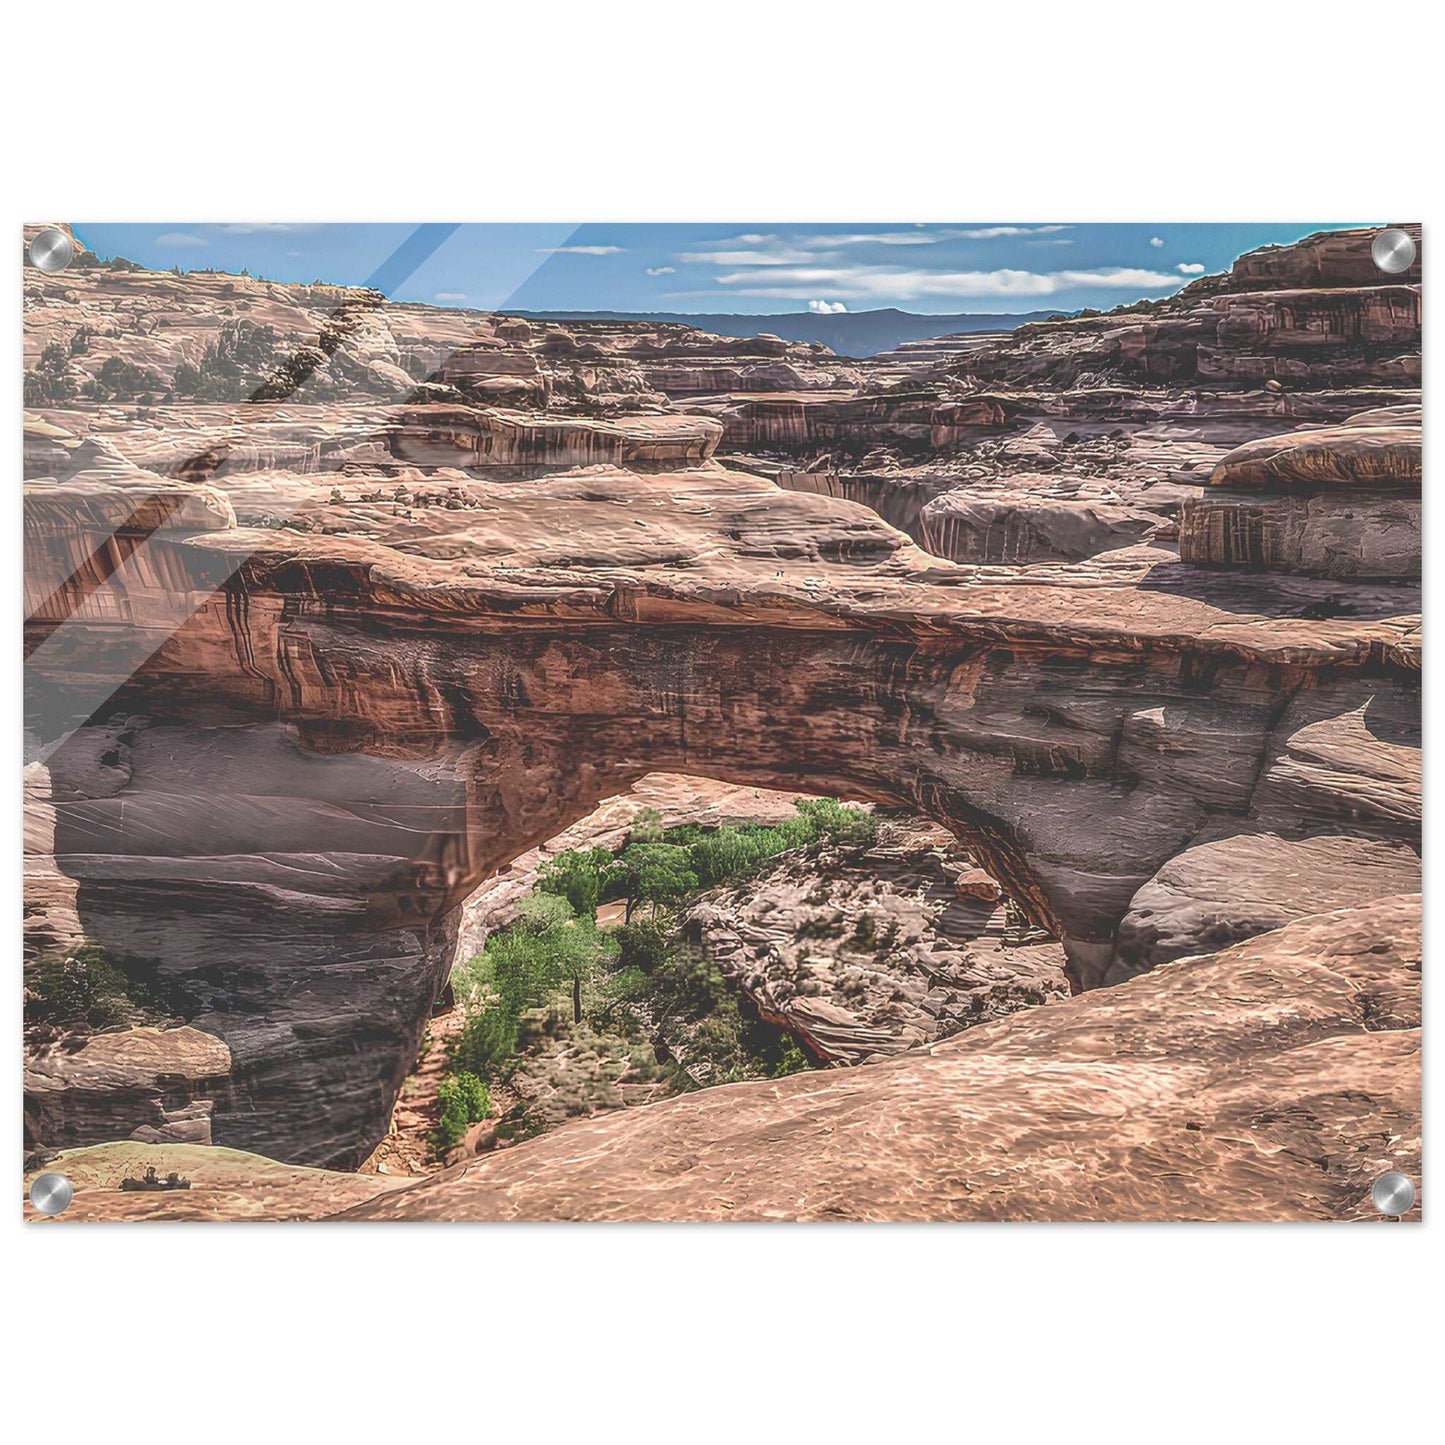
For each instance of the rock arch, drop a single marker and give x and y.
(330, 739)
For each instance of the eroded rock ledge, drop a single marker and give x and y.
(1272, 1081)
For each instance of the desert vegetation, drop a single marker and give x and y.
(84, 990)
(564, 1015)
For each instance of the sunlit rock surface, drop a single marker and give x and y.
(1274, 1080)
(865, 955)
(155, 1085)
(225, 1184)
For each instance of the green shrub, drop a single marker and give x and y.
(726, 854)
(488, 1039)
(643, 945)
(84, 989)
(462, 1100)
(50, 379)
(646, 827)
(236, 362)
(626, 985)
(693, 985)
(850, 827)
(121, 380)
(730, 853)
(791, 1057)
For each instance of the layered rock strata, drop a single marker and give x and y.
(154, 1085)
(862, 957)
(1341, 502)
(348, 734)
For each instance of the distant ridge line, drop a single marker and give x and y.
(848, 333)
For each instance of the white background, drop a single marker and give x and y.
(746, 112)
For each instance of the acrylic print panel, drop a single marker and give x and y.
(722, 722)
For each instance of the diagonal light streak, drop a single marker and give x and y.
(49, 694)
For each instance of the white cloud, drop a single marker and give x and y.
(1156, 241)
(871, 283)
(662, 270)
(450, 296)
(782, 250)
(777, 254)
(916, 237)
(579, 250)
(826, 308)
(1190, 268)
(993, 233)
(181, 238)
(256, 228)
(926, 235)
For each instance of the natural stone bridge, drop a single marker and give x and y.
(301, 751)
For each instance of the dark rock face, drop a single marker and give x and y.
(1021, 528)
(301, 677)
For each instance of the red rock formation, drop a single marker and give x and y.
(1338, 501)
(862, 957)
(154, 1085)
(225, 1184)
(711, 625)
(1272, 1081)
(302, 676)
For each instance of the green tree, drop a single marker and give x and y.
(655, 873)
(577, 875)
(522, 968)
(643, 945)
(121, 380)
(50, 380)
(240, 360)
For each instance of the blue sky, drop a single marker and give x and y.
(744, 268)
